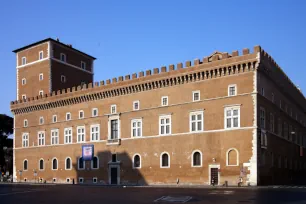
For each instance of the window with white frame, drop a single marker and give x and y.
(24, 97)
(196, 158)
(68, 162)
(54, 164)
(54, 137)
(81, 179)
(41, 55)
(41, 165)
(136, 161)
(25, 139)
(114, 129)
(262, 119)
(68, 135)
(164, 100)
(23, 81)
(25, 123)
(113, 109)
(67, 180)
(81, 114)
(63, 78)
(63, 57)
(25, 165)
(232, 117)
(94, 132)
(41, 120)
(232, 157)
(94, 179)
(263, 139)
(81, 163)
(232, 90)
(272, 122)
(165, 125)
(81, 134)
(54, 118)
(196, 121)
(41, 138)
(41, 76)
(164, 160)
(272, 97)
(68, 116)
(195, 95)
(136, 105)
(136, 126)
(94, 112)
(262, 91)
(95, 163)
(24, 60)
(83, 65)
(41, 92)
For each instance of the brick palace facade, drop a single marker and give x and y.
(215, 120)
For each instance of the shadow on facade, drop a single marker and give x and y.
(113, 169)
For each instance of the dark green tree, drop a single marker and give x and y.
(6, 129)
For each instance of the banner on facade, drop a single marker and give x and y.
(87, 152)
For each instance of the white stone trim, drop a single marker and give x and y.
(133, 164)
(92, 112)
(194, 92)
(31, 63)
(190, 120)
(165, 117)
(42, 54)
(66, 163)
(135, 102)
(53, 169)
(91, 132)
(232, 116)
(161, 161)
(136, 120)
(65, 63)
(194, 151)
(77, 133)
(162, 98)
(237, 159)
(110, 118)
(41, 159)
(230, 86)
(81, 111)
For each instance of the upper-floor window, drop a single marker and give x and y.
(63, 57)
(68, 135)
(272, 97)
(165, 125)
(232, 117)
(54, 118)
(114, 129)
(196, 121)
(81, 114)
(54, 137)
(94, 112)
(23, 81)
(41, 55)
(63, 78)
(25, 139)
(164, 101)
(136, 126)
(113, 109)
(136, 105)
(41, 120)
(271, 122)
(262, 118)
(41, 92)
(81, 134)
(41, 138)
(24, 60)
(68, 116)
(25, 123)
(24, 97)
(232, 90)
(41, 76)
(83, 65)
(94, 132)
(195, 95)
(263, 91)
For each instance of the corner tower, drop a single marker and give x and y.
(50, 65)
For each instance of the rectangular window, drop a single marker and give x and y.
(25, 123)
(41, 120)
(280, 127)
(41, 138)
(263, 138)
(232, 90)
(63, 57)
(164, 101)
(271, 122)
(136, 105)
(24, 60)
(196, 121)
(262, 91)
(41, 55)
(23, 81)
(262, 118)
(232, 117)
(81, 114)
(94, 112)
(24, 97)
(41, 76)
(165, 125)
(68, 135)
(94, 132)
(54, 118)
(41, 93)
(54, 137)
(81, 134)
(68, 116)
(114, 129)
(83, 65)
(113, 109)
(195, 95)
(136, 126)
(25, 139)
(114, 157)
(63, 78)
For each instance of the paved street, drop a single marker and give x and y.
(97, 194)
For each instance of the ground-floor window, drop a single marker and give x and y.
(41, 164)
(197, 159)
(232, 157)
(136, 161)
(81, 180)
(165, 160)
(81, 163)
(25, 165)
(94, 180)
(54, 164)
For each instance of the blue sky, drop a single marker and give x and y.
(132, 36)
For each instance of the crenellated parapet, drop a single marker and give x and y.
(216, 65)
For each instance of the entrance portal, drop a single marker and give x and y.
(114, 175)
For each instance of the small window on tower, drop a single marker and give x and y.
(232, 90)
(23, 81)
(63, 78)
(41, 55)
(24, 60)
(41, 93)
(63, 57)
(136, 105)
(195, 95)
(83, 65)
(24, 97)
(41, 76)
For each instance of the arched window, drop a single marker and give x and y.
(68, 163)
(54, 164)
(25, 165)
(81, 163)
(136, 161)
(232, 157)
(41, 164)
(196, 159)
(165, 160)
(95, 163)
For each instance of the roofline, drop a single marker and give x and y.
(55, 41)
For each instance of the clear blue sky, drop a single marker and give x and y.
(129, 36)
